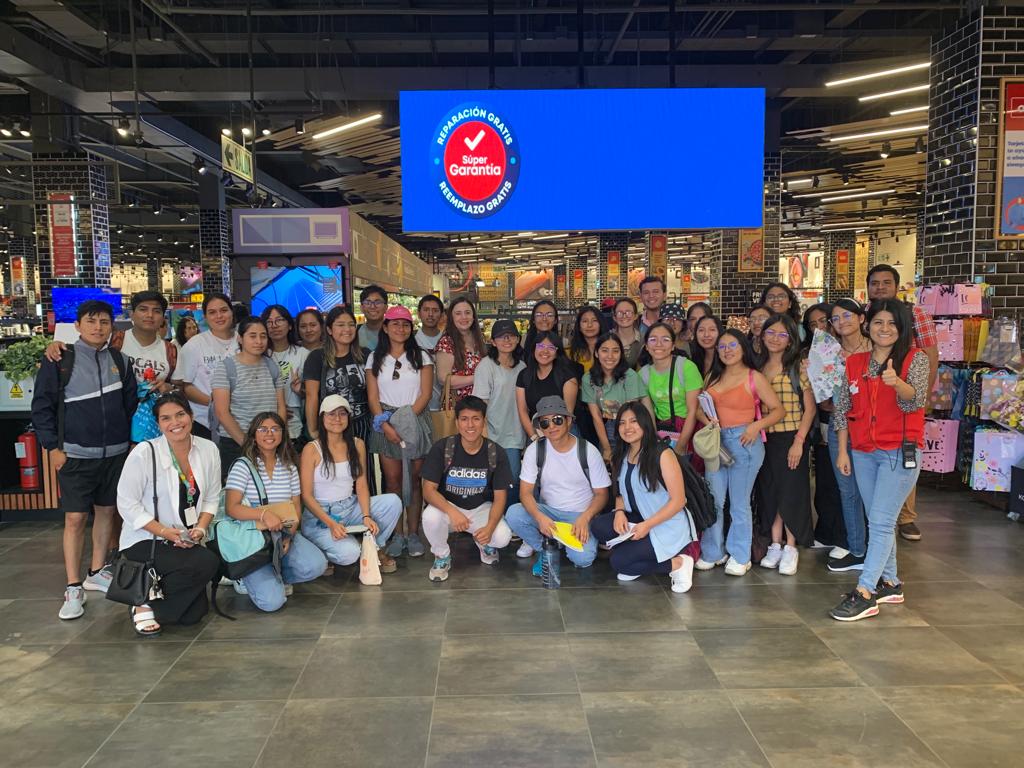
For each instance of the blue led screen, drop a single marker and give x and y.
(66, 301)
(297, 288)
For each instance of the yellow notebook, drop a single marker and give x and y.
(563, 534)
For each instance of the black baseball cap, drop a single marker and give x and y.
(504, 328)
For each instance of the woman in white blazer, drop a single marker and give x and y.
(188, 487)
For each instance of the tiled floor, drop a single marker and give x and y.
(490, 670)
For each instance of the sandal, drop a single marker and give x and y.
(387, 563)
(144, 621)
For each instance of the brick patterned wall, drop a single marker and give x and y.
(25, 247)
(85, 177)
(832, 242)
(215, 250)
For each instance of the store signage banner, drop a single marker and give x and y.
(614, 277)
(751, 250)
(236, 159)
(657, 257)
(843, 269)
(534, 285)
(291, 231)
(493, 161)
(61, 216)
(1011, 159)
(17, 276)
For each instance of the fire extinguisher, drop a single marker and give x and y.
(27, 451)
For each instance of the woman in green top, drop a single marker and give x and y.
(608, 386)
(675, 408)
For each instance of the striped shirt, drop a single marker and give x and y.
(282, 487)
(254, 391)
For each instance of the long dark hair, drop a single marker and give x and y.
(791, 355)
(348, 435)
(708, 312)
(285, 453)
(316, 314)
(172, 398)
(578, 349)
(718, 367)
(248, 323)
(517, 354)
(850, 305)
(453, 333)
(822, 306)
(412, 349)
(284, 313)
(699, 353)
(597, 371)
(353, 349)
(179, 332)
(904, 324)
(794, 302)
(648, 461)
(531, 330)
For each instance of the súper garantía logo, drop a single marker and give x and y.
(476, 160)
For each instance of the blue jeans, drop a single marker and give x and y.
(304, 562)
(849, 497)
(884, 485)
(384, 509)
(522, 523)
(736, 482)
(515, 462)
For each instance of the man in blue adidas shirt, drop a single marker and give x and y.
(466, 479)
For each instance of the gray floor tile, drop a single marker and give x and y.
(369, 667)
(506, 664)
(812, 570)
(476, 612)
(238, 670)
(966, 726)
(848, 727)
(222, 734)
(812, 602)
(16, 661)
(639, 661)
(720, 608)
(907, 656)
(55, 735)
(303, 616)
(509, 731)
(669, 729)
(115, 626)
(984, 561)
(6, 545)
(33, 581)
(915, 565)
(613, 610)
(411, 576)
(962, 604)
(773, 658)
(368, 733)
(369, 614)
(114, 672)
(1002, 648)
(35, 621)
(26, 530)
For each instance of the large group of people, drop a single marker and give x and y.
(309, 427)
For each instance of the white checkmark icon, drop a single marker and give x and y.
(475, 142)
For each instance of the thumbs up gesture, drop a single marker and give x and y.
(889, 375)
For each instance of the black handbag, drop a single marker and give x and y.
(136, 583)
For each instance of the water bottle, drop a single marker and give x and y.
(551, 565)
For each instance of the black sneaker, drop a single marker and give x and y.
(910, 531)
(848, 562)
(854, 607)
(888, 593)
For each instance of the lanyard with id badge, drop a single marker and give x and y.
(189, 516)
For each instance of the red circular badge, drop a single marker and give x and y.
(475, 160)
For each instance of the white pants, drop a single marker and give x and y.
(437, 526)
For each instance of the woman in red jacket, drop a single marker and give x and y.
(881, 407)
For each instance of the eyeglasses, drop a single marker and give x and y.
(556, 420)
(277, 321)
(776, 297)
(842, 317)
(374, 303)
(771, 335)
(544, 316)
(658, 340)
(337, 413)
(546, 347)
(395, 374)
(625, 313)
(507, 337)
(268, 430)
(729, 347)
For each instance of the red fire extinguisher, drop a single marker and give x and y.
(27, 451)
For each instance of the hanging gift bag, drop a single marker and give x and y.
(945, 300)
(950, 336)
(993, 386)
(939, 452)
(1003, 344)
(969, 299)
(941, 396)
(995, 453)
(925, 297)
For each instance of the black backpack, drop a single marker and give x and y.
(698, 494)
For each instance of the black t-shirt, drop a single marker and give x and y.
(347, 378)
(537, 388)
(469, 482)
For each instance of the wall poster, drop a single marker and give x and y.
(751, 250)
(1010, 210)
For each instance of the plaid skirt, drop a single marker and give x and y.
(380, 445)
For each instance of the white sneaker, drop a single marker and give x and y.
(838, 553)
(74, 603)
(288, 590)
(99, 581)
(626, 577)
(488, 555)
(704, 565)
(790, 560)
(734, 568)
(682, 577)
(239, 587)
(773, 556)
(525, 550)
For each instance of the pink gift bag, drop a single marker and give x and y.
(950, 336)
(945, 300)
(995, 453)
(993, 386)
(926, 296)
(970, 299)
(939, 453)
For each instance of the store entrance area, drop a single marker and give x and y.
(490, 669)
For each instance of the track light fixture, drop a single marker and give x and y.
(919, 145)
(200, 165)
(886, 150)
(815, 182)
(124, 127)
(300, 125)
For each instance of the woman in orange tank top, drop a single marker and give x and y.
(739, 392)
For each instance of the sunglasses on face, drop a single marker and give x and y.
(782, 335)
(729, 347)
(556, 420)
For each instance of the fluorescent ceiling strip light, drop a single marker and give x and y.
(900, 92)
(526, 234)
(855, 223)
(876, 193)
(791, 182)
(354, 124)
(552, 237)
(495, 240)
(908, 110)
(829, 192)
(886, 132)
(880, 73)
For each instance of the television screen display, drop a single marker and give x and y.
(297, 288)
(588, 159)
(66, 301)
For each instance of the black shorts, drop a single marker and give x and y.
(85, 483)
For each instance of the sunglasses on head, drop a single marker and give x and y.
(547, 422)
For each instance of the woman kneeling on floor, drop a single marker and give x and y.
(651, 501)
(187, 481)
(267, 451)
(336, 493)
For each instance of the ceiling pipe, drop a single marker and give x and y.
(188, 42)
